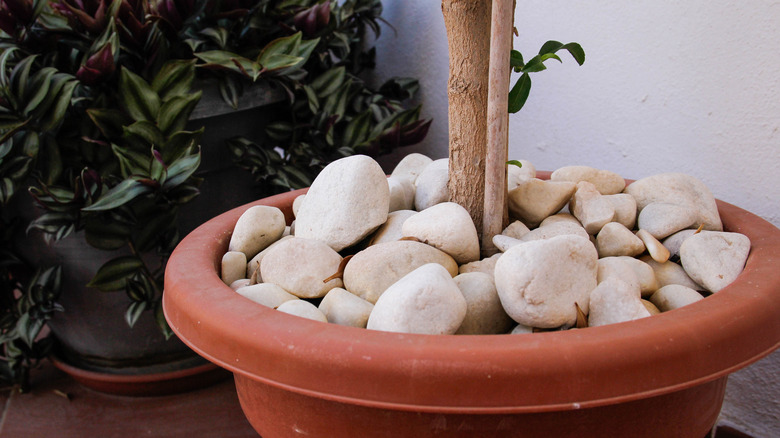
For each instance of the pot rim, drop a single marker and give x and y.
(493, 374)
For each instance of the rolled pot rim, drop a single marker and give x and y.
(537, 372)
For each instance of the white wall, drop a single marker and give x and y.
(689, 87)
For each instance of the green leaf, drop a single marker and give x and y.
(20, 76)
(119, 195)
(180, 144)
(41, 83)
(134, 312)
(113, 275)
(550, 47)
(219, 35)
(328, 82)
(58, 81)
(137, 97)
(28, 328)
(229, 61)
(576, 52)
(106, 235)
(174, 79)
(181, 169)
(357, 130)
(534, 65)
(131, 162)
(574, 49)
(311, 96)
(230, 90)
(109, 121)
(519, 93)
(146, 131)
(516, 60)
(514, 163)
(61, 105)
(175, 113)
(162, 323)
(279, 61)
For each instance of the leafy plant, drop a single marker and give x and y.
(95, 96)
(519, 92)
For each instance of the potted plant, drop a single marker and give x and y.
(102, 157)
(664, 375)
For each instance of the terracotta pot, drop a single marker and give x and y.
(658, 376)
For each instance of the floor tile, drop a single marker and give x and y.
(60, 407)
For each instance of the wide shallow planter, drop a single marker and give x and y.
(659, 376)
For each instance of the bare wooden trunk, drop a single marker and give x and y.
(496, 215)
(468, 36)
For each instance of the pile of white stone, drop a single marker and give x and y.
(583, 247)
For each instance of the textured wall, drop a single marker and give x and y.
(689, 87)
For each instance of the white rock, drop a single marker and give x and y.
(614, 301)
(347, 201)
(617, 267)
(673, 242)
(674, 296)
(539, 282)
(239, 283)
(344, 308)
(651, 307)
(297, 204)
(560, 217)
(267, 294)
(606, 182)
(486, 265)
(233, 266)
(411, 166)
(302, 308)
(534, 199)
(615, 239)
(253, 266)
(662, 219)
(555, 228)
(670, 273)
(431, 185)
(590, 207)
(448, 227)
(521, 329)
(503, 243)
(516, 230)
(680, 189)
(645, 273)
(516, 174)
(371, 271)
(401, 193)
(425, 301)
(654, 247)
(625, 209)
(300, 265)
(258, 227)
(484, 314)
(714, 259)
(390, 231)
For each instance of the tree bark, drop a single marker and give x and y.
(496, 215)
(468, 36)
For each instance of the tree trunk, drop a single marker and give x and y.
(496, 215)
(468, 36)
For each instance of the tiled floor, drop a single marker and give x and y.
(58, 407)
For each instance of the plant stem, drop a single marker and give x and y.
(495, 208)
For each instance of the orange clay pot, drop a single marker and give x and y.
(662, 376)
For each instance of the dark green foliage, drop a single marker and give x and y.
(95, 96)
